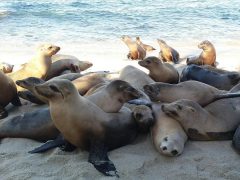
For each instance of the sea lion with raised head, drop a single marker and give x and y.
(160, 71)
(222, 81)
(38, 66)
(207, 56)
(8, 93)
(167, 53)
(91, 127)
(135, 50)
(148, 48)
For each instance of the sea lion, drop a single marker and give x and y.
(60, 63)
(8, 93)
(147, 48)
(38, 66)
(91, 127)
(135, 50)
(35, 125)
(83, 84)
(207, 123)
(222, 81)
(207, 56)
(192, 90)
(160, 71)
(168, 136)
(6, 68)
(167, 53)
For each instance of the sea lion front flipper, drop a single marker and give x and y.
(3, 113)
(58, 142)
(141, 102)
(16, 101)
(236, 140)
(27, 95)
(99, 158)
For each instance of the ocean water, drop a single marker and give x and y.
(86, 27)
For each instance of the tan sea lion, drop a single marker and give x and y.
(135, 50)
(60, 63)
(217, 121)
(192, 90)
(8, 93)
(160, 71)
(168, 136)
(38, 66)
(6, 68)
(148, 48)
(88, 127)
(167, 53)
(207, 56)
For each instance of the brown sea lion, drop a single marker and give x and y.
(217, 121)
(60, 63)
(135, 50)
(168, 136)
(167, 53)
(192, 90)
(6, 68)
(8, 93)
(207, 56)
(160, 71)
(222, 81)
(38, 66)
(147, 48)
(88, 127)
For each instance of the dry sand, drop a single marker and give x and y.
(200, 160)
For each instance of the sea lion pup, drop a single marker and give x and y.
(91, 127)
(8, 93)
(35, 125)
(207, 123)
(219, 80)
(167, 53)
(168, 136)
(207, 56)
(236, 140)
(38, 66)
(6, 68)
(60, 63)
(160, 71)
(135, 50)
(148, 48)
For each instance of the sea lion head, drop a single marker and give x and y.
(6, 68)
(152, 90)
(83, 65)
(161, 43)
(123, 90)
(126, 38)
(29, 82)
(180, 109)
(205, 45)
(138, 40)
(48, 49)
(57, 89)
(144, 117)
(171, 146)
(150, 61)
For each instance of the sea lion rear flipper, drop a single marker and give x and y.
(27, 95)
(236, 140)
(58, 142)
(99, 158)
(3, 113)
(16, 101)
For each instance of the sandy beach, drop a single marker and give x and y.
(200, 160)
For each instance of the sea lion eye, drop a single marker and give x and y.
(54, 88)
(148, 62)
(179, 107)
(50, 47)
